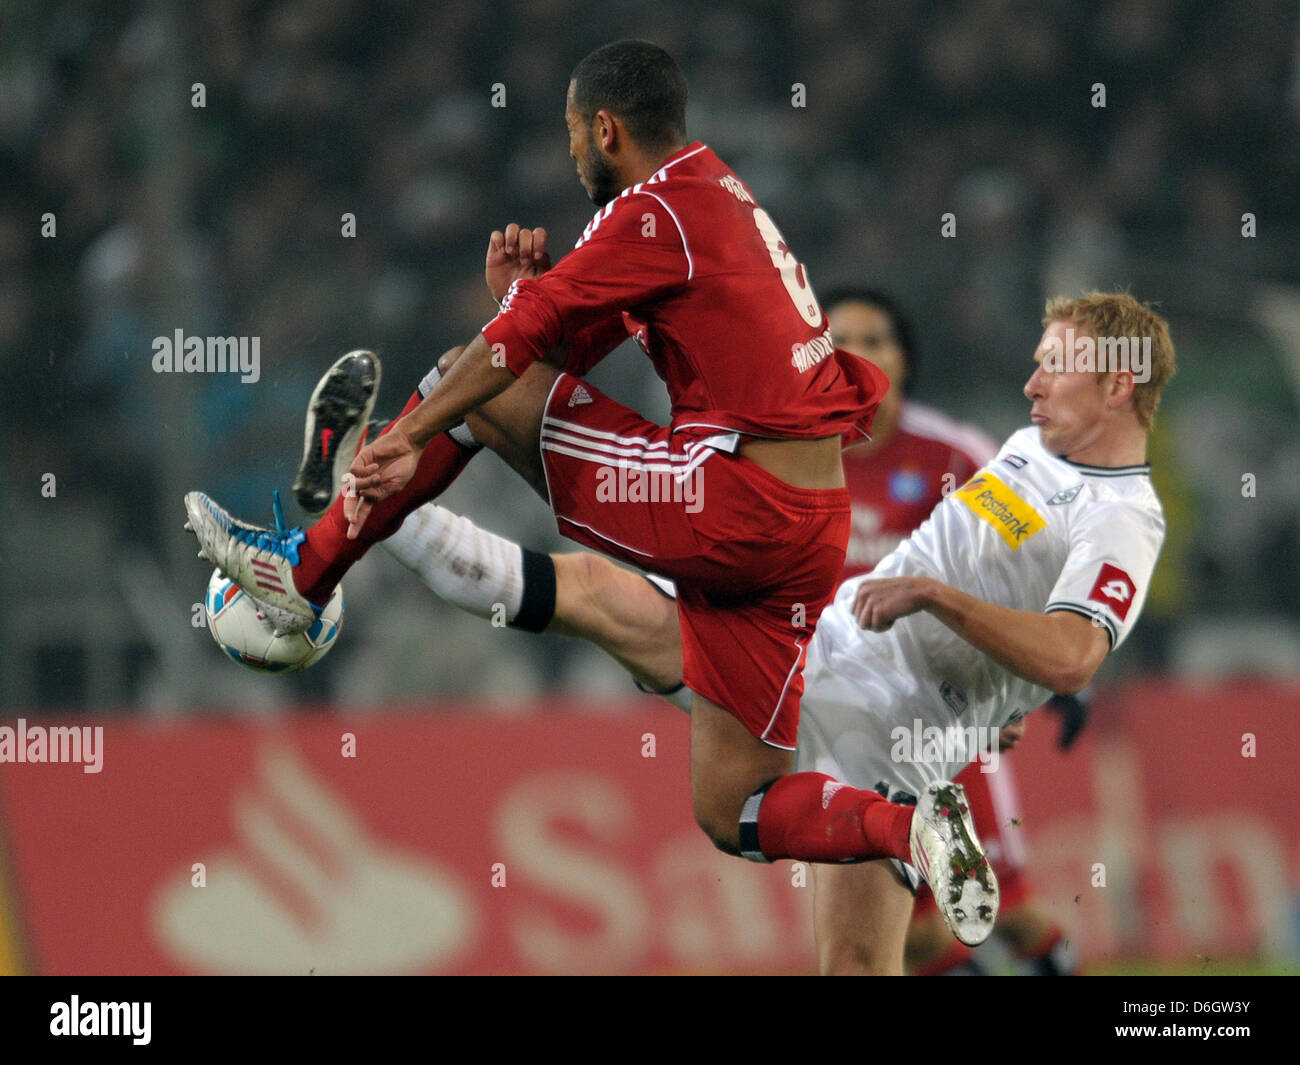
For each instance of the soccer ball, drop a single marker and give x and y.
(246, 635)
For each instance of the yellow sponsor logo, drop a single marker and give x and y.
(1014, 519)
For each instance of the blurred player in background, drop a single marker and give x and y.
(907, 464)
(683, 259)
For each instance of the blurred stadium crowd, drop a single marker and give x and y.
(228, 219)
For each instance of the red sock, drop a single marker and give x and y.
(327, 553)
(813, 817)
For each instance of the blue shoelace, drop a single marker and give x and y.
(280, 540)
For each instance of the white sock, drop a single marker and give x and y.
(469, 567)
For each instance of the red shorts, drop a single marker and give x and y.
(755, 559)
(995, 812)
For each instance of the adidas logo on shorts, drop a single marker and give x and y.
(580, 395)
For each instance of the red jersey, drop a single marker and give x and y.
(696, 272)
(894, 489)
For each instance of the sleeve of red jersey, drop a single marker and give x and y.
(633, 255)
(590, 344)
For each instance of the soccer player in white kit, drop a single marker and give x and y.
(1017, 585)
(1030, 532)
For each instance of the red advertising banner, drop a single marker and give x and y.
(416, 843)
(1172, 831)
(455, 842)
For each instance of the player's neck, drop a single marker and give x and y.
(641, 167)
(1124, 446)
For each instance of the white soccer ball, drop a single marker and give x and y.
(246, 635)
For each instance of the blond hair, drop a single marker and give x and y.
(1117, 314)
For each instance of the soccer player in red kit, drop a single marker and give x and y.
(862, 910)
(682, 258)
(915, 457)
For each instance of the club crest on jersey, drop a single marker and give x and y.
(907, 486)
(991, 500)
(1115, 589)
(1066, 495)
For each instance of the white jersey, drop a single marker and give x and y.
(1030, 531)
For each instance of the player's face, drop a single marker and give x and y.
(865, 331)
(1069, 406)
(594, 169)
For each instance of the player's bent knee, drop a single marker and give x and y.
(725, 841)
(449, 356)
(723, 831)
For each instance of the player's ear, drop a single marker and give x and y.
(606, 131)
(1121, 388)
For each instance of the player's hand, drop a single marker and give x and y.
(380, 469)
(1010, 735)
(513, 254)
(882, 601)
(1073, 711)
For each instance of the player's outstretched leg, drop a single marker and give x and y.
(337, 414)
(630, 617)
(288, 572)
(948, 854)
(259, 559)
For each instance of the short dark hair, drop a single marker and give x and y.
(899, 323)
(641, 84)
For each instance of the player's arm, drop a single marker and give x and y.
(387, 465)
(625, 262)
(517, 253)
(1060, 650)
(631, 256)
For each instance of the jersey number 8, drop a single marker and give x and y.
(793, 275)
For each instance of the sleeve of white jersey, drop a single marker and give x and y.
(1113, 551)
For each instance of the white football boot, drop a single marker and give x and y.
(948, 854)
(258, 559)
